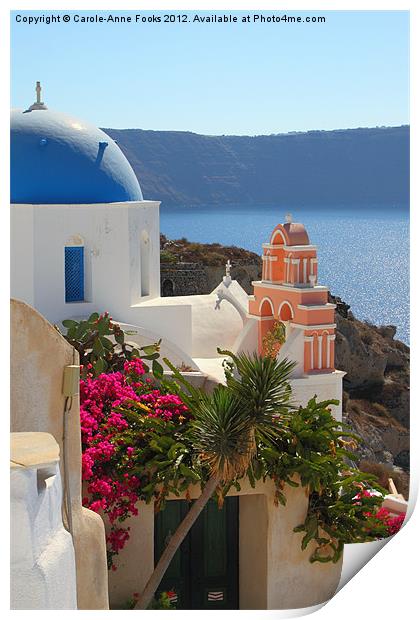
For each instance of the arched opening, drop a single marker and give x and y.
(266, 307)
(266, 311)
(168, 289)
(286, 315)
(278, 238)
(286, 312)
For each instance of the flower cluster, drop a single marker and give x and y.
(393, 524)
(163, 600)
(108, 454)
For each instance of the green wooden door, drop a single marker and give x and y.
(204, 571)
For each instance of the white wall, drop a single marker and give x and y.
(326, 387)
(114, 237)
(247, 340)
(192, 322)
(111, 236)
(22, 253)
(293, 350)
(141, 337)
(43, 571)
(213, 326)
(169, 321)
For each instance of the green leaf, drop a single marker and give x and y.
(163, 464)
(69, 323)
(119, 337)
(153, 356)
(153, 444)
(157, 369)
(176, 448)
(281, 498)
(99, 366)
(106, 343)
(166, 442)
(149, 349)
(187, 472)
(251, 477)
(98, 348)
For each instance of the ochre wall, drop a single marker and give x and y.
(253, 531)
(38, 357)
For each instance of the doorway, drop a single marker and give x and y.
(204, 571)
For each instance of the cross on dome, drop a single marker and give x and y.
(38, 105)
(228, 267)
(38, 92)
(289, 218)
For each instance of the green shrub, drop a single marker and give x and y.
(101, 345)
(168, 257)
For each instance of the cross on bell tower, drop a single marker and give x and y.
(38, 105)
(227, 279)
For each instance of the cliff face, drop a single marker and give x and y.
(376, 386)
(366, 166)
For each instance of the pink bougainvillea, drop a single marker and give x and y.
(393, 524)
(107, 460)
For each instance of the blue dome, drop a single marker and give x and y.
(58, 159)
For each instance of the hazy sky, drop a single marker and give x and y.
(243, 78)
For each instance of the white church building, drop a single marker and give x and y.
(84, 240)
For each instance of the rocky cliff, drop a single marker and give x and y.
(350, 166)
(376, 386)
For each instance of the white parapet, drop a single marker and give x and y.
(43, 571)
(325, 386)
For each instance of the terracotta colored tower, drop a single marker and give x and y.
(289, 292)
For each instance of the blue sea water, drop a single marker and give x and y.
(363, 253)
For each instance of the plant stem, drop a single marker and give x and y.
(175, 542)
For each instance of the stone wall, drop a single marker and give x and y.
(197, 279)
(182, 279)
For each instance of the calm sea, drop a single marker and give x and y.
(363, 253)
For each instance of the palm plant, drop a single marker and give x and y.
(227, 426)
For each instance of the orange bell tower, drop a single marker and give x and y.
(289, 292)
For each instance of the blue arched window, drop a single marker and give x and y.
(74, 273)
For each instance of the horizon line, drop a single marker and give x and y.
(227, 135)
